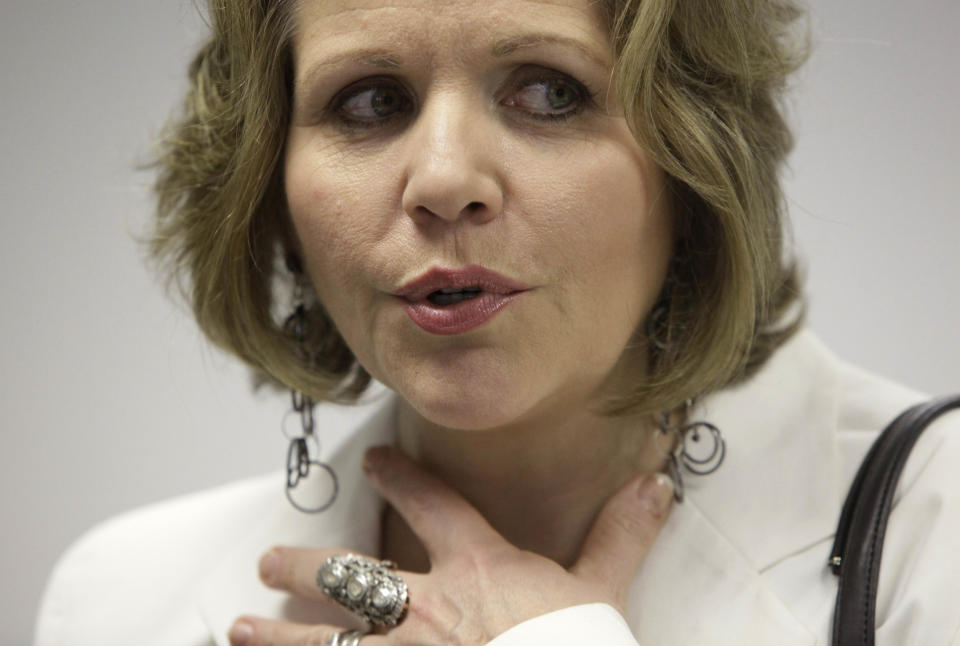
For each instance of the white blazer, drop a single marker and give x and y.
(743, 561)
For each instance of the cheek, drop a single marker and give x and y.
(616, 247)
(328, 207)
(610, 230)
(344, 230)
(633, 236)
(322, 211)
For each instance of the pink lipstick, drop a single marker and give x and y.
(454, 301)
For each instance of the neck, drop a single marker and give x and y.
(539, 486)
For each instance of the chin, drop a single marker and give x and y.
(460, 388)
(472, 407)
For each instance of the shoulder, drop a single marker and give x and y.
(843, 409)
(919, 571)
(139, 568)
(868, 403)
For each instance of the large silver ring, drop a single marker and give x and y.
(368, 588)
(345, 638)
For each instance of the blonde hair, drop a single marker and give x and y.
(700, 81)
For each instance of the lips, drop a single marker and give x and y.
(474, 276)
(454, 301)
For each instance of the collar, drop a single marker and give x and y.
(785, 416)
(752, 512)
(711, 554)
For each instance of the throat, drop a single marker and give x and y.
(399, 544)
(539, 486)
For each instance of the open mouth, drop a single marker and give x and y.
(453, 295)
(454, 301)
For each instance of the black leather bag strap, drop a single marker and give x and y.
(855, 557)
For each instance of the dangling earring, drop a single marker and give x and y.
(688, 452)
(299, 461)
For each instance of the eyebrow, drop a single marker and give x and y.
(380, 58)
(373, 57)
(511, 44)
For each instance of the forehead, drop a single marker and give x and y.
(445, 27)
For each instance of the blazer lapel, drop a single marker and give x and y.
(696, 587)
(782, 440)
(703, 581)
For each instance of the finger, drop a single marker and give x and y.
(438, 515)
(294, 569)
(624, 531)
(256, 631)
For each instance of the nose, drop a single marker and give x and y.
(451, 172)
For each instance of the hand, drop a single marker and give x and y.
(479, 585)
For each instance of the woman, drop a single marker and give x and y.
(545, 227)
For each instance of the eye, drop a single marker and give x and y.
(370, 103)
(549, 97)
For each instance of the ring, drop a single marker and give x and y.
(368, 588)
(345, 638)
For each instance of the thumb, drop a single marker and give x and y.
(624, 531)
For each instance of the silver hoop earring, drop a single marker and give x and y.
(699, 459)
(301, 461)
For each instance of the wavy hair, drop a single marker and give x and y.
(701, 83)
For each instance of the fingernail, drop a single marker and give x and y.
(373, 458)
(656, 492)
(269, 564)
(241, 633)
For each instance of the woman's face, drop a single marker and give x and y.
(430, 138)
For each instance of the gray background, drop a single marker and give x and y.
(111, 400)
